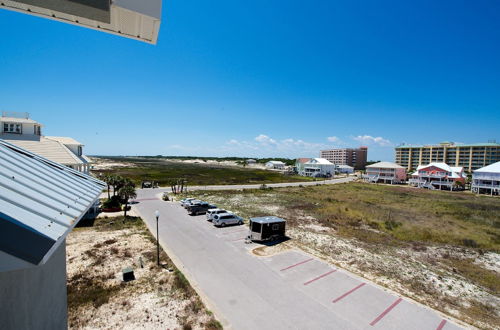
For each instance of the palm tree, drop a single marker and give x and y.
(108, 178)
(126, 192)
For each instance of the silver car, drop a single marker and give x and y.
(225, 219)
(212, 212)
(191, 202)
(185, 200)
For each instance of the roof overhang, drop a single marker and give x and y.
(40, 203)
(133, 19)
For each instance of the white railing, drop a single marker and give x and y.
(487, 186)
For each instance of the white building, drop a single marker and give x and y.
(275, 164)
(250, 161)
(42, 204)
(486, 180)
(385, 172)
(21, 130)
(344, 169)
(438, 176)
(317, 167)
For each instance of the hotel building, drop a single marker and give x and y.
(469, 156)
(346, 156)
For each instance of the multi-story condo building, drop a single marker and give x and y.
(469, 156)
(19, 129)
(347, 156)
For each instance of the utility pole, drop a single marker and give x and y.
(157, 215)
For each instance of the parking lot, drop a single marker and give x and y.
(291, 290)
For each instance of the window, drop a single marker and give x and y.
(12, 128)
(80, 153)
(256, 227)
(38, 130)
(276, 227)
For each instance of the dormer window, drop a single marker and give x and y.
(12, 128)
(38, 130)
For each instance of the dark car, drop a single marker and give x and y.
(200, 208)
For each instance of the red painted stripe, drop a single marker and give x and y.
(384, 313)
(348, 293)
(320, 277)
(441, 325)
(298, 264)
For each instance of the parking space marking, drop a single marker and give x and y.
(320, 277)
(298, 264)
(441, 325)
(348, 293)
(384, 313)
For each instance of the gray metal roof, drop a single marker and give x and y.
(40, 202)
(270, 219)
(135, 19)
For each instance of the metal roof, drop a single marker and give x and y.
(449, 145)
(384, 165)
(270, 219)
(493, 168)
(50, 149)
(65, 140)
(319, 161)
(133, 19)
(40, 202)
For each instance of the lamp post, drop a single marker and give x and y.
(157, 215)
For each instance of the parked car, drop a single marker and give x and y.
(185, 200)
(200, 208)
(225, 219)
(191, 202)
(212, 212)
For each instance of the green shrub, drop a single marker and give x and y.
(391, 224)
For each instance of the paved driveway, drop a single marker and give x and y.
(291, 290)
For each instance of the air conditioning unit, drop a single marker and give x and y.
(136, 19)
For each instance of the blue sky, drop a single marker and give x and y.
(263, 78)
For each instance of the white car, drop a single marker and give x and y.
(225, 219)
(212, 212)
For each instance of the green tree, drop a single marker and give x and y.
(126, 192)
(108, 179)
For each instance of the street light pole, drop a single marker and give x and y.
(157, 215)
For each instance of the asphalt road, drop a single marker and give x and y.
(151, 193)
(291, 290)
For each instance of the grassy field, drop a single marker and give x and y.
(163, 172)
(393, 215)
(439, 248)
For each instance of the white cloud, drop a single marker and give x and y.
(368, 139)
(264, 139)
(265, 146)
(333, 139)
